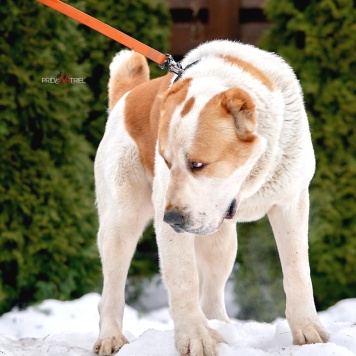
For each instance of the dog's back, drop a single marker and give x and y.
(127, 70)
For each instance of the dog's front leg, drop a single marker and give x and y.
(290, 228)
(121, 224)
(177, 261)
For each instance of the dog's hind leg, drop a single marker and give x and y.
(215, 257)
(124, 206)
(290, 228)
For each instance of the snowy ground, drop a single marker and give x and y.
(70, 328)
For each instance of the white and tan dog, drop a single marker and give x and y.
(226, 142)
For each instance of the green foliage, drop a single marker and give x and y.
(258, 278)
(145, 20)
(47, 215)
(318, 39)
(48, 137)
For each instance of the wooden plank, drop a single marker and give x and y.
(223, 19)
(252, 32)
(187, 4)
(222, 23)
(252, 4)
(185, 36)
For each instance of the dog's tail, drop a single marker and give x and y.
(127, 70)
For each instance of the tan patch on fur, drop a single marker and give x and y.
(169, 207)
(131, 73)
(218, 142)
(241, 107)
(187, 106)
(254, 71)
(142, 114)
(175, 96)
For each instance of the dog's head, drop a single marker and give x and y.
(208, 140)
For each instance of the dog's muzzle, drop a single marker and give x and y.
(175, 219)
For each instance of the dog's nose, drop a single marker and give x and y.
(174, 218)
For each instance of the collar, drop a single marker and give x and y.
(175, 67)
(182, 70)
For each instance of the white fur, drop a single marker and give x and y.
(274, 181)
(117, 61)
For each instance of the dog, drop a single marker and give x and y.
(227, 141)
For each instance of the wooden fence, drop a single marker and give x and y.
(197, 21)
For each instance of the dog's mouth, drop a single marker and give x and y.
(231, 211)
(202, 228)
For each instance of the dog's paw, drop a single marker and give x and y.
(106, 346)
(311, 333)
(197, 340)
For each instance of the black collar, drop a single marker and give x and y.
(180, 73)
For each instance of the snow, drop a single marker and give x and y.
(70, 328)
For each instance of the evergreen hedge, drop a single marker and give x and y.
(258, 274)
(318, 39)
(145, 20)
(48, 137)
(47, 217)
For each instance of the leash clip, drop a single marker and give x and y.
(172, 66)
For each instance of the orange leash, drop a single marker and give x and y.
(164, 60)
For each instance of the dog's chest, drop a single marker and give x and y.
(248, 212)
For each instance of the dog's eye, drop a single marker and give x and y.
(196, 166)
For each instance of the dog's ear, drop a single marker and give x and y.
(240, 105)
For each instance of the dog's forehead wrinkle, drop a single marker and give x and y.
(184, 123)
(181, 132)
